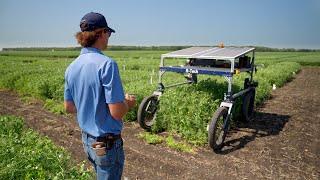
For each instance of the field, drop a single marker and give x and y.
(184, 111)
(41, 75)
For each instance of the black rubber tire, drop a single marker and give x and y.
(146, 116)
(216, 134)
(248, 106)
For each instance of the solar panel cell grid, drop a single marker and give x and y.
(210, 52)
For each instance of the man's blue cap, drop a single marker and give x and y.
(93, 21)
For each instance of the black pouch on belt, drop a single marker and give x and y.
(109, 140)
(99, 148)
(103, 144)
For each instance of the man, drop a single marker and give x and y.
(94, 91)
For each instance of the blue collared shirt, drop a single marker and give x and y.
(92, 81)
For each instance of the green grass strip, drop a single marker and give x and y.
(25, 154)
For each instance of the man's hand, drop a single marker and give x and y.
(70, 107)
(118, 110)
(130, 100)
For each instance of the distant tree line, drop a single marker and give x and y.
(152, 48)
(268, 49)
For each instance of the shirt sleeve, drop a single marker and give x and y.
(111, 83)
(67, 93)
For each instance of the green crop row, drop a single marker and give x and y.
(303, 58)
(25, 154)
(185, 110)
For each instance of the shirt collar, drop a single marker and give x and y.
(90, 50)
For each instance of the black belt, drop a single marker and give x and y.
(110, 137)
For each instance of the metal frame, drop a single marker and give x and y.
(209, 68)
(227, 73)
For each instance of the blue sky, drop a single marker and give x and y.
(272, 23)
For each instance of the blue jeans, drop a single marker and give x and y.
(108, 166)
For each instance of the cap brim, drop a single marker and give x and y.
(111, 30)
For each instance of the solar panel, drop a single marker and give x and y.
(189, 51)
(210, 52)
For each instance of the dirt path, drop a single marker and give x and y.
(282, 143)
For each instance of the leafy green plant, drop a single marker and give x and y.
(54, 106)
(151, 138)
(180, 146)
(27, 155)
